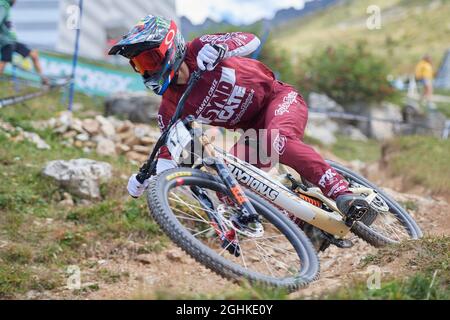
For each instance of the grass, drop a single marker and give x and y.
(408, 31)
(39, 238)
(424, 265)
(420, 160)
(417, 287)
(246, 292)
(348, 149)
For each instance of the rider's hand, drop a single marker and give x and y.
(211, 55)
(164, 164)
(135, 188)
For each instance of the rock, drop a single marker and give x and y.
(323, 102)
(320, 127)
(32, 294)
(67, 202)
(34, 138)
(80, 177)
(105, 147)
(91, 126)
(78, 144)
(89, 144)
(142, 149)
(124, 126)
(145, 258)
(380, 130)
(383, 130)
(85, 202)
(106, 127)
(122, 148)
(77, 125)
(137, 107)
(141, 131)
(125, 135)
(131, 140)
(82, 137)
(133, 155)
(69, 134)
(146, 141)
(353, 133)
(174, 255)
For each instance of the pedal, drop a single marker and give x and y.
(357, 212)
(340, 243)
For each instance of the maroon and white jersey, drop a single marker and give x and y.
(230, 96)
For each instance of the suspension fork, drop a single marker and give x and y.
(249, 213)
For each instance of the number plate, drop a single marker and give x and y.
(178, 138)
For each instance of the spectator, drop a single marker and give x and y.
(424, 77)
(9, 43)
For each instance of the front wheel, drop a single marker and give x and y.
(190, 207)
(383, 227)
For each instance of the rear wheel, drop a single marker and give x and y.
(380, 227)
(189, 206)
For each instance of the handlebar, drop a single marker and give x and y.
(149, 166)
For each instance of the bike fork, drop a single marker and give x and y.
(249, 213)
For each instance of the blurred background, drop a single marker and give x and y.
(375, 75)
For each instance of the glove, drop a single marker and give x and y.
(211, 55)
(165, 164)
(135, 188)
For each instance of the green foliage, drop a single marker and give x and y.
(348, 149)
(114, 218)
(15, 279)
(419, 286)
(20, 254)
(428, 257)
(246, 292)
(347, 74)
(280, 62)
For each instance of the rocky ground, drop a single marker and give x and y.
(173, 272)
(106, 136)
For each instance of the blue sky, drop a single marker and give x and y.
(235, 11)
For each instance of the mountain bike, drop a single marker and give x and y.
(243, 224)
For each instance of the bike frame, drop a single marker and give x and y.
(262, 184)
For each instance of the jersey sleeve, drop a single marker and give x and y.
(239, 44)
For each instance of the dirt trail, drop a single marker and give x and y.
(174, 272)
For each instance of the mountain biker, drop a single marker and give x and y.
(9, 43)
(236, 93)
